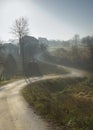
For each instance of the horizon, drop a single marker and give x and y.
(15, 39)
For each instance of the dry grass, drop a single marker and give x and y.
(68, 102)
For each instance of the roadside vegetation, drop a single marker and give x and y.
(77, 53)
(4, 82)
(51, 69)
(67, 102)
(70, 58)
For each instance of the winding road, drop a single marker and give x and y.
(15, 113)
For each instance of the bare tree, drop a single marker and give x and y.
(20, 29)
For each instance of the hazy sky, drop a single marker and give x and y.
(54, 19)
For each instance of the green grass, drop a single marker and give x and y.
(66, 102)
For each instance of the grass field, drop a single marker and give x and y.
(66, 102)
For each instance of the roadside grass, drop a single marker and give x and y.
(51, 69)
(67, 102)
(15, 78)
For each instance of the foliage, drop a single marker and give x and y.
(31, 47)
(77, 56)
(89, 43)
(10, 66)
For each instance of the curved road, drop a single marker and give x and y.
(15, 113)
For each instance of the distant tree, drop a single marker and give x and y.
(43, 47)
(20, 29)
(10, 65)
(89, 43)
(2, 55)
(1, 46)
(31, 47)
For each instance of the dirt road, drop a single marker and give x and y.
(15, 113)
